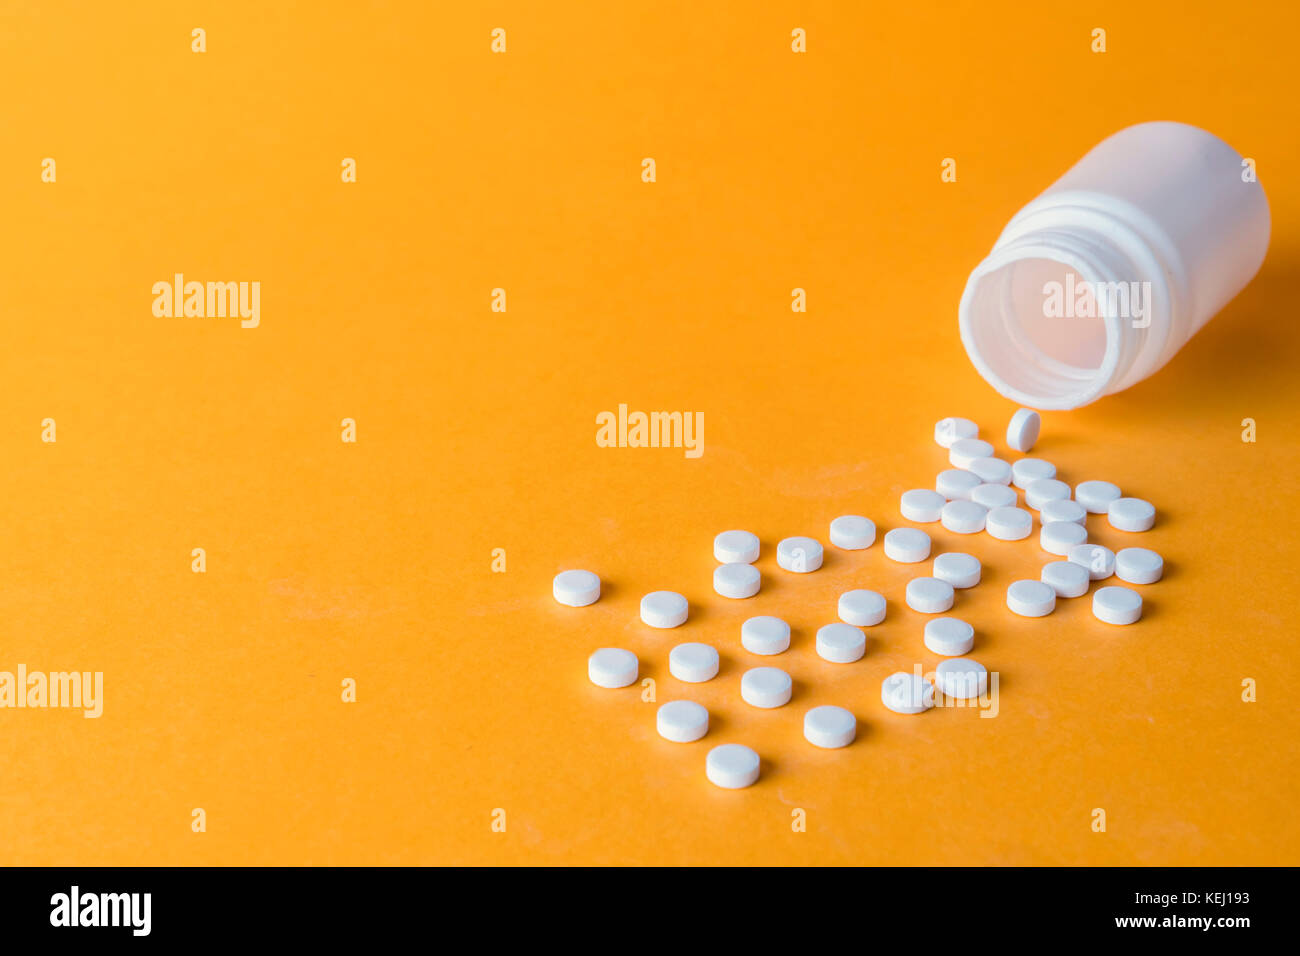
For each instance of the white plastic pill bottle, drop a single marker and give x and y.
(1097, 283)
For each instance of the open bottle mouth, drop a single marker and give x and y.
(1038, 325)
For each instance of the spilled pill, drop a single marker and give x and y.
(612, 667)
(949, 636)
(962, 678)
(736, 580)
(853, 532)
(861, 608)
(964, 517)
(1099, 561)
(840, 643)
(693, 662)
(1027, 470)
(1042, 490)
(1067, 579)
(1058, 537)
(682, 721)
(1096, 496)
(1031, 598)
(907, 545)
(800, 555)
(949, 430)
(994, 496)
(1139, 566)
(830, 727)
(994, 471)
(929, 595)
(576, 588)
(1117, 605)
(1062, 509)
(966, 450)
(958, 569)
(736, 547)
(1022, 430)
(664, 609)
(1009, 524)
(921, 504)
(956, 483)
(1131, 514)
(905, 693)
(731, 766)
(765, 635)
(766, 687)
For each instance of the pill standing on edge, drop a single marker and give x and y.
(765, 635)
(1027, 470)
(966, 450)
(964, 517)
(840, 643)
(664, 609)
(736, 580)
(907, 545)
(1067, 579)
(612, 667)
(576, 588)
(956, 483)
(1042, 490)
(1096, 496)
(1139, 566)
(766, 687)
(962, 678)
(799, 554)
(1009, 524)
(1031, 598)
(921, 504)
(994, 496)
(1099, 561)
(861, 608)
(993, 471)
(731, 766)
(736, 547)
(949, 636)
(682, 721)
(1022, 430)
(693, 662)
(830, 727)
(905, 693)
(1062, 509)
(1058, 537)
(853, 532)
(929, 595)
(1117, 605)
(958, 569)
(1131, 514)
(949, 430)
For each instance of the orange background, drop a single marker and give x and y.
(476, 431)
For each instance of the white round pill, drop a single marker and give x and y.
(907, 545)
(1116, 605)
(664, 609)
(929, 595)
(956, 483)
(966, 450)
(829, 727)
(1131, 514)
(1043, 490)
(765, 635)
(731, 766)
(736, 547)
(1099, 561)
(736, 580)
(949, 430)
(840, 643)
(921, 504)
(1031, 598)
(800, 555)
(905, 693)
(958, 569)
(853, 532)
(766, 687)
(861, 608)
(962, 678)
(1096, 496)
(1062, 509)
(1067, 579)
(993, 471)
(949, 636)
(1058, 537)
(1022, 430)
(693, 662)
(576, 588)
(682, 721)
(1139, 565)
(964, 517)
(1027, 470)
(994, 496)
(612, 667)
(1009, 524)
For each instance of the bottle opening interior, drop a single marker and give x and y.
(1037, 325)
